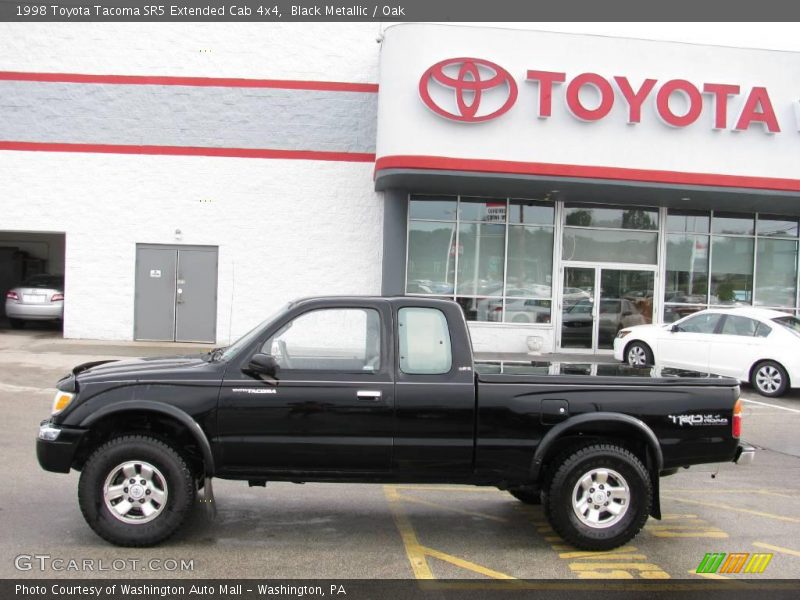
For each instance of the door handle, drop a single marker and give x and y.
(368, 395)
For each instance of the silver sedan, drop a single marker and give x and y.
(39, 298)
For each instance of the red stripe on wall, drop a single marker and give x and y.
(441, 163)
(286, 84)
(188, 151)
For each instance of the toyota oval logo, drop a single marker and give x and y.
(469, 90)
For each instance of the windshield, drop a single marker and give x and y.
(251, 335)
(789, 322)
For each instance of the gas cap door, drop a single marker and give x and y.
(554, 411)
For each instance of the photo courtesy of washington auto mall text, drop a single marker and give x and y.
(414, 300)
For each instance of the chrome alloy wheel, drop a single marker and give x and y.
(600, 498)
(637, 357)
(769, 379)
(135, 492)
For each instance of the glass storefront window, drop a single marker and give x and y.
(688, 221)
(531, 212)
(457, 248)
(431, 257)
(776, 272)
(480, 308)
(432, 208)
(482, 210)
(731, 270)
(686, 269)
(772, 226)
(597, 245)
(526, 310)
(480, 261)
(673, 312)
(530, 261)
(732, 223)
(588, 215)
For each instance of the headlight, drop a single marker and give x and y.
(61, 401)
(622, 333)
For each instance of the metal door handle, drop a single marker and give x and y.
(368, 395)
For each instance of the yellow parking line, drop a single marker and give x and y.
(569, 552)
(604, 570)
(776, 548)
(758, 513)
(465, 564)
(407, 498)
(410, 542)
(417, 553)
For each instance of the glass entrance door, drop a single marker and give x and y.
(596, 302)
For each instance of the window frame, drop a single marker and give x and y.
(443, 316)
(381, 331)
(510, 201)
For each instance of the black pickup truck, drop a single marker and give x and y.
(373, 390)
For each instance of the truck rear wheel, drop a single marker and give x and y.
(599, 497)
(135, 491)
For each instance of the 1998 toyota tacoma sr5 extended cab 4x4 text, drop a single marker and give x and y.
(378, 390)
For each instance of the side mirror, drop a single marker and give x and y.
(675, 328)
(263, 364)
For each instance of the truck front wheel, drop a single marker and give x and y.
(599, 497)
(135, 491)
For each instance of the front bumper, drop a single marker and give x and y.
(745, 454)
(56, 446)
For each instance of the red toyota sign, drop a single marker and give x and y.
(468, 87)
(470, 79)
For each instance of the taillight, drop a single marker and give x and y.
(57, 297)
(498, 309)
(12, 296)
(736, 428)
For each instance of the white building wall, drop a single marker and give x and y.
(285, 228)
(306, 51)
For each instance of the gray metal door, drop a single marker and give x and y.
(196, 296)
(176, 293)
(154, 305)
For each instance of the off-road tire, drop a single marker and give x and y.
(179, 481)
(559, 497)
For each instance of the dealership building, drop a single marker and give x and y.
(187, 180)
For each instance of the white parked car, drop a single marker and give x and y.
(758, 345)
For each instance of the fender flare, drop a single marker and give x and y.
(165, 409)
(596, 417)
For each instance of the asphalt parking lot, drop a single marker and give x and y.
(384, 531)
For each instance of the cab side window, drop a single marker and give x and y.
(424, 340)
(330, 339)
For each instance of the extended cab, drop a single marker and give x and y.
(378, 390)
